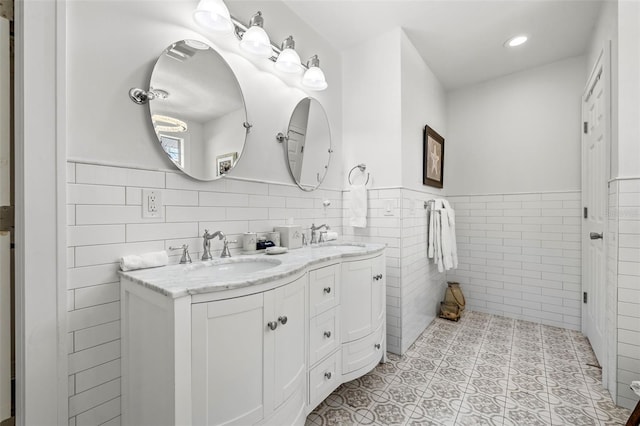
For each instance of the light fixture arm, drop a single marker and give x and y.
(240, 28)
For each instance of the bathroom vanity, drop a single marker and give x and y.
(252, 339)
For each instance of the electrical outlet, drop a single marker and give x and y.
(151, 203)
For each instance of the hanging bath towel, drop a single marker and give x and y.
(358, 209)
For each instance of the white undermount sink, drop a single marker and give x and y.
(227, 269)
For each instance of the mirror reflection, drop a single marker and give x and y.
(308, 144)
(197, 110)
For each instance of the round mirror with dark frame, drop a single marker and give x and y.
(197, 110)
(308, 144)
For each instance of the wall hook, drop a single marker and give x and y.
(247, 126)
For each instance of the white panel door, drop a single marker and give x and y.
(227, 361)
(289, 348)
(356, 300)
(595, 143)
(5, 237)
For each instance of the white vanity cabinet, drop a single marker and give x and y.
(264, 354)
(248, 356)
(363, 314)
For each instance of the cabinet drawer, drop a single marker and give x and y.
(324, 289)
(363, 352)
(324, 378)
(324, 335)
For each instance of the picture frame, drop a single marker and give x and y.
(225, 162)
(433, 158)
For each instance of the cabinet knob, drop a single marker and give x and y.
(327, 375)
(380, 276)
(375, 278)
(327, 290)
(272, 325)
(327, 334)
(377, 346)
(283, 319)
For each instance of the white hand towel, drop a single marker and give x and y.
(331, 236)
(147, 260)
(358, 209)
(451, 217)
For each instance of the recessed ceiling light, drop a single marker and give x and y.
(516, 41)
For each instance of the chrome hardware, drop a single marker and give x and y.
(327, 290)
(186, 258)
(206, 244)
(595, 236)
(280, 137)
(139, 96)
(304, 239)
(377, 277)
(327, 375)
(272, 325)
(283, 319)
(247, 126)
(314, 229)
(377, 346)
(225, 248)
(327, 334)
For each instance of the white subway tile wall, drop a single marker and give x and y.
(396, 217)
(104, 218)
(628, 269)
(520, 255)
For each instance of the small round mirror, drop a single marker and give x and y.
(308, 144)
(197, 110)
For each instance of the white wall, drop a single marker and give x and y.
(103, 64)
(372, 108)
(423, 102)
(518, 133)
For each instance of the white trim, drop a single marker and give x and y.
(41, 355)
(567, 191)
(619, 178)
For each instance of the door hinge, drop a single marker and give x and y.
(585, 212)
(585, 127)
(584, 297)
(7, 218)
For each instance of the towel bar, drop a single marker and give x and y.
(362, 168)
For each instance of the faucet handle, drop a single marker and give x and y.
(186, 257)
(225, 248)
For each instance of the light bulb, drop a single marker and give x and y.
(213, 15)
(516, 41)
(255, 40)
(314, 78)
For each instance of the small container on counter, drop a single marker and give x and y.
(290, 236)
(249, 240)
(275, 237)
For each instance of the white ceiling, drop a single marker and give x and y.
(461, 41)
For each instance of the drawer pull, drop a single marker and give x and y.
(375, 278)
(380, 276)
(283, 319)
(272, 325)
(327, 334)
(327, 290)
(327, 375)
(377, 346)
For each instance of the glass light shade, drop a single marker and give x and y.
(288, 61)
(314, 79)
(213, 15)
(256, 41)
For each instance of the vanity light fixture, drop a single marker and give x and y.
(516, 41)
(173, 125)
(213, 15)
(255, 40)
(314, 77)
(288, 60)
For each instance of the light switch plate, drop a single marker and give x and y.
(152, 203)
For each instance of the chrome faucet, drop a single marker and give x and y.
(186, 258)
(206, 243)
(314, 231)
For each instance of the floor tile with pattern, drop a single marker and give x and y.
(482, 370)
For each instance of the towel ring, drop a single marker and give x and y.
(362, 168)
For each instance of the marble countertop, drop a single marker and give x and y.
(177, 281)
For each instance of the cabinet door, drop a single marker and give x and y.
(289, 339)
(227, 361)
(379, 293)
(356, 300)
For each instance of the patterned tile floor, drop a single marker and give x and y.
(482, 370)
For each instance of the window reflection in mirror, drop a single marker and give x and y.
(197, 109)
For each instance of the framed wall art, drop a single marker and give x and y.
(433, 158)
(225, 162)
